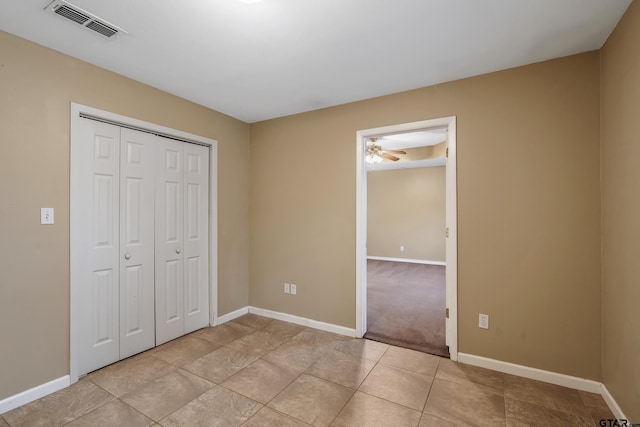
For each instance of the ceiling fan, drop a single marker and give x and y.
(375, 153)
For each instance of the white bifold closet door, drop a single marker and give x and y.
(117, 270)
(137, 236)
(143, 267)
(182, 291)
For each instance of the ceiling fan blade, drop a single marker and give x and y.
(396, 151)
(389, 157)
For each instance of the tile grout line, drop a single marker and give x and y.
(177, 367)
(424, 407)
(146, 416)
(284, 388)
(561, 410)
(306, 372)
(274, 397)
(326, 348)
(354, 390)
(377, 362)
(197, 397)
(446, 381)
(96, 408)
(357, 388)
(101, 388)
(177, 409)
(504, 399)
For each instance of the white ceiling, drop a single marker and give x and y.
(280, 57)
(422, 138)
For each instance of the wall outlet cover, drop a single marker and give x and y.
(483, 321)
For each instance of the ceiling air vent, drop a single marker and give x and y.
(101, 28)
(72, 14)
(84, 18)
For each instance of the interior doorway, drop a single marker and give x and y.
(429, 143)
(406, 292)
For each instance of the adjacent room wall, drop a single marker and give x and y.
(620, 65)
(528, 201)
(406, 207)
(37, 86)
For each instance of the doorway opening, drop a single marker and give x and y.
(394, 267)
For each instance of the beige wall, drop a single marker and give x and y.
(406, 207)
(37, 86)
(528, 200)
(621, 213)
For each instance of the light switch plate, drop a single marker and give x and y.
(46, 215)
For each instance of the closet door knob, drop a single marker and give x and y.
(127, 256)
(178, 250)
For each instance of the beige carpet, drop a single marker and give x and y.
(406, 305)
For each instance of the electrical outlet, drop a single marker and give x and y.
(401, 248)
(287, 288)
(293, 289)
(483, 321)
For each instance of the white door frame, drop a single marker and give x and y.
(75, 215)
(451, 249)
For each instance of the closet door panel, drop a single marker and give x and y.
(169, 204)
(140, 242)
(137, 210)
(97, 266)
(196, 239)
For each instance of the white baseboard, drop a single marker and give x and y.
(233, 315)
(532, 373)
(576, 383)
(328, 327)
(413, 261)
(34, 393)
(42, 390)
(611, 402)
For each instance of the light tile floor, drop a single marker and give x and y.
(260, 372)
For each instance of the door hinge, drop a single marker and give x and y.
(446, 232)
(447, 152)
(446, 312)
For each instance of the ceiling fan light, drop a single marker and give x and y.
(373, 158)
(373, 154)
